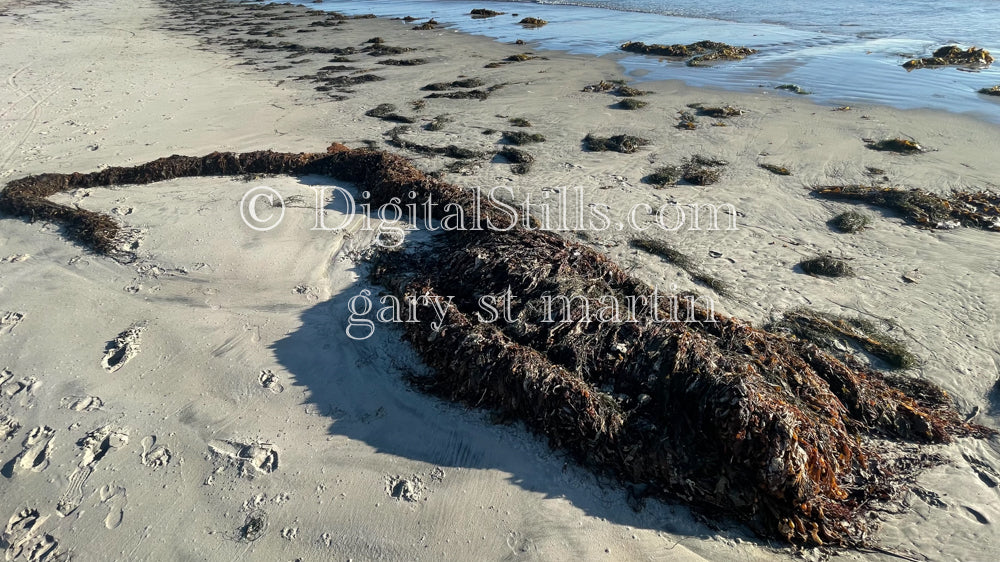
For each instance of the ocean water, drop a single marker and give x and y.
(843, 51)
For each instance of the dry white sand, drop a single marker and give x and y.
(236, 395)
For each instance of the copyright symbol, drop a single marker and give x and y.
(272, 202)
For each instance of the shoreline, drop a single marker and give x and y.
(836, 69)
(243, 394)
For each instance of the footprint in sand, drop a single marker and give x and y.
(269, 380)
(8, 321)
(21, 389)
(261, 457)
(122, 349)
(82, 403)
(94, 447)
(35, 455)
(116, 499)
(25, 541)
(154, 456)
(8, 426)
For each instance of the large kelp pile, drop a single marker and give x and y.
(697, 53)
(974, 209)
(660, 390)
(952, 55)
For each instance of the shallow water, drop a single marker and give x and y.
(844, 52)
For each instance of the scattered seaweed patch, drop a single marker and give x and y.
(700, 52)
(467, 94)
(902, 146)
(704, 408)
(851, 222)
(827, 266)
(629, 91)
(686, 121)
(403, 62)
(519, 122)
(630, 103)
(775, 169)
(830, 331)
(387, 112)
(952, 55)
(463, 83)
(717, 112)
(481, 13)
(521, 138)
(973, 209)
(382, 50)
(530, 23)
(626, 144)
(991, 91)
(794, 88)
(343, 81)
(451, 151)
(520, 160)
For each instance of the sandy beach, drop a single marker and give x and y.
(194, 394)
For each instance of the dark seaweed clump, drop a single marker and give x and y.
(902, 146)
(626, 144)
(520, 160)
(532, 22)
(463, 83)
(630, 103)
(827, 266)
(480, 13)
(403, 62)
(851, 222)
(387, 112)
(521, 138)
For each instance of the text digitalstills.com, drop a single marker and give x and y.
(558, 210)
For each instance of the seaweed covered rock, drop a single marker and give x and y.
(701, 407)
(482, 13)
(697, 53)
(530, 23)
(952, 55)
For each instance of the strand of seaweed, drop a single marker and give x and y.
(973, 209)
(733, 420)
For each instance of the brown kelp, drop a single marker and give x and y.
(974, 209)
(701, 407)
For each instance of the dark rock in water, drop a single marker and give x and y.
(481, 13)
(993, 91)
(952, 55)
(532, 22)
(701, 51)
